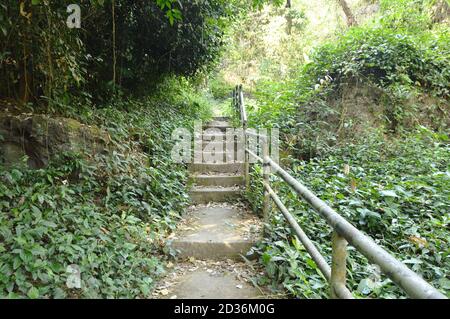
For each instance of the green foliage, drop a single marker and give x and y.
(265, 44)
(384, 56)
(219, 88)
(360, 102)
(406, 15)
(396, 192)
(395, 67)
(108, 213)
(42, 57)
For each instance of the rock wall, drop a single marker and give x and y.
(40, 137)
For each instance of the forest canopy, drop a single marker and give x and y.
(121, 44)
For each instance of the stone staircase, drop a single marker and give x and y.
(216, 227)
(216, 232)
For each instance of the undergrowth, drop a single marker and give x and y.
(105, 213)
(397, 192)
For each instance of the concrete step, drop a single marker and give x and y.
(204, 195)
(222, 285)
(218, 125)
(218, 145)
(219, 137)
(217, 233)
(221, 118)
(216, 157)
(204, 168)
(218, 180)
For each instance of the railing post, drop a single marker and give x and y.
(234, 99)
(246, 159)
(238, 104)
(266, 179)
(339, 268)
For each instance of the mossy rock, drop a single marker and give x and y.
(40, 137)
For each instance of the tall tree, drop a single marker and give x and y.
(351, 21)
(288, 17)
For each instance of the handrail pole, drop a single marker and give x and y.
(243, 116)
(266, 180)
(236, 92)
(234, 99)
(246, 159)
(241, 101)
(320, 261)
(408, 280)
(339, 268)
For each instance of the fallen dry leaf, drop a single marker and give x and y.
(164, 292)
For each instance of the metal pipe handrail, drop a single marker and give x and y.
(309, 245)
(249, 132)
(254, 155)
(241, 102)
(344, 231)
(399, 273)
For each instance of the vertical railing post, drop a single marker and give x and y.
(246, 159)
(339, 268)
(235, 102)
(238, 97)
(266, 179)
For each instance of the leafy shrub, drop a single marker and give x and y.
(406, 75)
(385, 56)
(108, 214)
(152, 39)
(397, 193)
(219, 88)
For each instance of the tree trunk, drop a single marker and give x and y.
(25, 76)
(351, 21)
(288, 17)
(441, 11)
(114, 43)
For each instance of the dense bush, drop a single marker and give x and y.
(396, 192)
(398, 187)
(396, 68)
(384, 57)
(132, 48)
(108, 214)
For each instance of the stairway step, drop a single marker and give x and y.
(220, 137)
(212, 250)
(204, 195)
(204, 168)
(218, 180)
(218, 145)
(221, 118)
(217, 233)
(191, 285)
(219, 157)
(217, 125)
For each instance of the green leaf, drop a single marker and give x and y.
(444, 283)
(388, 193)
(33, 293)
